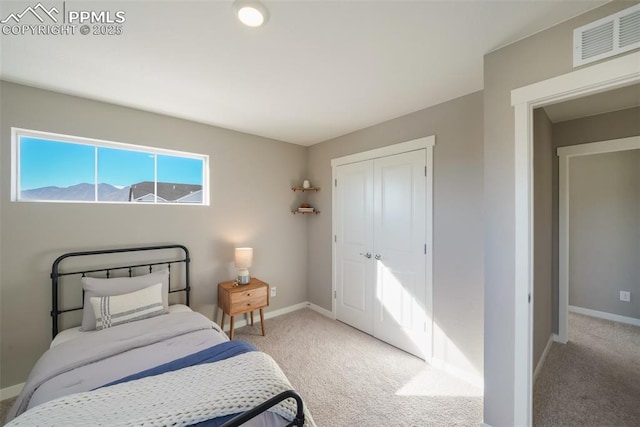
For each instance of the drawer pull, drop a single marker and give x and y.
(248, 294)
(248, 305)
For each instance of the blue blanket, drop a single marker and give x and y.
(216, 353)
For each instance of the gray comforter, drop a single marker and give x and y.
(89, 362)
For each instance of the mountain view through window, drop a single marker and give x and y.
(59, 170)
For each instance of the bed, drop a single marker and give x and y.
(136, 359)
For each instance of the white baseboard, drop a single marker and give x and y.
(466, 376)
(321, 310)
(285, 310)
(545, 353)
(9, 392)
(241, 320)
(605, 315)
(557, 339)
(484, 425)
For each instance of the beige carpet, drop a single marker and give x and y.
(594, 380)
(349, 378)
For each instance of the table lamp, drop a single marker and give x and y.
(243, 259)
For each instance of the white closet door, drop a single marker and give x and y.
(354, 245)
(399, 251)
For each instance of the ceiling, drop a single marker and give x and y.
(315, 71)
(599, 103)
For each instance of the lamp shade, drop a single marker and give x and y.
(243, 257)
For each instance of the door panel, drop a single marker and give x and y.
(400, 236)
(395, 205)
(354, 293)
(354, 223)
(396, 299)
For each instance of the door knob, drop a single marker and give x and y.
(378, 256)
(367, 255)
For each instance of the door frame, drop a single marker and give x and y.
(612, 74)
(425, 143)
(564, 155)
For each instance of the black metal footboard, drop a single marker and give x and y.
(289, 394)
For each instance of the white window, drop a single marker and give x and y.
(49, 167)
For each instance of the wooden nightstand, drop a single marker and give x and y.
(237, 299)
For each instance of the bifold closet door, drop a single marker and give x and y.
(399, 316)
(380, 245)
(354, 231)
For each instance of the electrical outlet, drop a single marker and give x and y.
(625, 296)
(273, 291)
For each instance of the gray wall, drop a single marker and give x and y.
(544, 55)
(458, 218)
(250, 205)
(604, 232)
(601, 127)
(543, 250)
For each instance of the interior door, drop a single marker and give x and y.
(354, 245)
(399, 251)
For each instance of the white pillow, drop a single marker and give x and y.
(116, 310)
(96, 287)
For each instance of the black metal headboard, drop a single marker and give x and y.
(56, 274)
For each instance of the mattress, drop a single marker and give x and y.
(72, 333)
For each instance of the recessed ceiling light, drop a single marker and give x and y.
(251, 13)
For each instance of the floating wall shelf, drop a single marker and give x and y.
(303, 189)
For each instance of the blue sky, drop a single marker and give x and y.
(46, 163)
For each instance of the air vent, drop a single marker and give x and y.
(607, 37)
(630, 29)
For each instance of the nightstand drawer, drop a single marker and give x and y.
(248, 304)
(246, 296)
